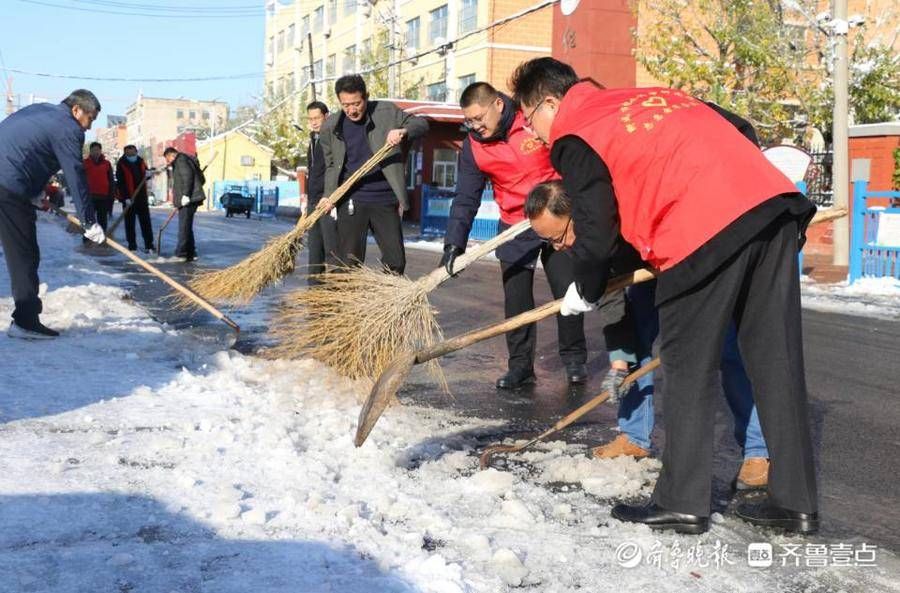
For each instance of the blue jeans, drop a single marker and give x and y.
(636, 408)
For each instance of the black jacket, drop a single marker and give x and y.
(315, 161)
(598, 245)
(138, 173)
(187, 180)
(470, 183)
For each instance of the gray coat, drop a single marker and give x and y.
(381, 117)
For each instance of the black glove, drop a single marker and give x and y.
(449, 257)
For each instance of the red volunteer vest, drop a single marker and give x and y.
(514, 166)
(97, 176)
(680, 171)
(130, 182)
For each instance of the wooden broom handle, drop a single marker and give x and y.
(119, 220)
(158, 273)
(827, 215)
(542, 312)
(440, 275)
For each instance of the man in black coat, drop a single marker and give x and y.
(35, 143)
(187, 195)
(323, 237)
(131, 172)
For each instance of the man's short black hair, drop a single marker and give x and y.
(541, 77)
(351, 83)
(97, 144)
(480, 92)
(131, 146)
(170, 150)
(85, 99)
(318, 105)
(550, 196)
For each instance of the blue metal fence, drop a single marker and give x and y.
(436, 211)
(874, 235)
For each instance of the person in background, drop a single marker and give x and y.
(187, 195)
(131, 173)
(376, 201)
(323, 237)
(100, 181)
(36, 142)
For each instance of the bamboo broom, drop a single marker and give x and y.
(240, 283)
(357, 320)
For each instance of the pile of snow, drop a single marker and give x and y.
(870, 297)
(133, 457)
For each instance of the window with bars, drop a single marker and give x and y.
(412, 34)
(304, 27)
(281, 41)
(290, 40)
(437, 91)
(443, 168)
(349, 6)
(317, 70)
(468, 15)
(332, 11)
(331, 66)
(438, 24)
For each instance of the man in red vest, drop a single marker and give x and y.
(100, 182)
(722, 226)
(498, 147)
(132, 177)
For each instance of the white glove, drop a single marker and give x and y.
(185, 200)
(95, 233)
(128, 204)
(574, 304)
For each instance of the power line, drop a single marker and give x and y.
(179, 7)
(148, 14)
(114, 79)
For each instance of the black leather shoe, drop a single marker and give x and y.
(516, 378)
(656, 517)
(766, 514)
(576, 373)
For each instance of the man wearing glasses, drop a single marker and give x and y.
(499, 147)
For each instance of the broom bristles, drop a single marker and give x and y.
(357, 321)
(240, 283)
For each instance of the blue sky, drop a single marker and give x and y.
(40, 38)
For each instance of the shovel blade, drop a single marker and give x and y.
(381, 395)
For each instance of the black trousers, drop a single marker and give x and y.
(518, 297)
(186, 246)
(139, 210)
(322, 245)
(103, 208)
(18, 234)
(758, 289)
(384, 221)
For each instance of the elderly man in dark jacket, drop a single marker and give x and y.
(377, 201)
(35, 142)
(187, 195)
(323, 239)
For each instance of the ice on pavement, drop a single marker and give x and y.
(135, 458)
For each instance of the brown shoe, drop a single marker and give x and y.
(618, 447)
(754, 474)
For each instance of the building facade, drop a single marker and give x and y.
(416, 49)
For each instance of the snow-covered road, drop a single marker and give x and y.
(134, 457)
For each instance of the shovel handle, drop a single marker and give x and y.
(158, 273)
(542, 312)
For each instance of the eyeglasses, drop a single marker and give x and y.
(561, 239)
(471, 122)
(530, 117)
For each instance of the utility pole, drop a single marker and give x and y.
(841, 159)
(312, 71)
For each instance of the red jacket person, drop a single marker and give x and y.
(701, 204)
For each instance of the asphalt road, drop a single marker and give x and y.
(850, 363)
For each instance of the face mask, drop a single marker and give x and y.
(132, 158)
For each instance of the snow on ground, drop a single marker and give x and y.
(136, 458)
(870, 297)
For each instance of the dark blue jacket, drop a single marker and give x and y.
(36, 142)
